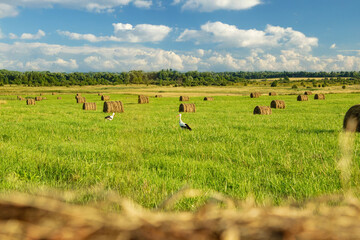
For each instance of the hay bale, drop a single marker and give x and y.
(158, 96)
(43, 98)
(308, 93)
(114, 106)
(80, 99)
(352, 119)
(100, 94)
(41, 94)
(187, 107)
(38, 98)
(255, 94)
(89, 106)
(143, 99)
(262, 110)
(59, 98)
(208, 99)
(280, 104)
(20, 98)
(105, 98)
(54, 93)
(272, 93)
(30, 102)
(302, 98)
(319, 96)
(184, 98)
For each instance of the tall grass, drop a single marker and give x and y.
(144, 155)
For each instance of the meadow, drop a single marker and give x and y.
(144, 155)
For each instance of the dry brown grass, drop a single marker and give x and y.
(3, 102)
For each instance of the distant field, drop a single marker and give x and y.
(144, 155)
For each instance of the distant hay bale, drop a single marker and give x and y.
(20, 98)
(89, 106)
(54, 93)
(308, 93)
(208, 99)
(302, 98)
(3, 102)
(319, 96)
(280, 104)
(262, 110)
(114, 106)
(272, 93)
(100, 94)
(43, 98)
(38, 98)
(187, 107)
(30, 102)
(59, 98)
(255, 94)
(184, 98)
(80, 99)
(41, 94)
(352, 119)
(158, 96)
(143, 99)
(105, 98)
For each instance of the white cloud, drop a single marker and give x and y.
(29, 36)
(7, 10)
(230, 36)
(125, 33)
(333, 46)
(143, 3)
(212, 5)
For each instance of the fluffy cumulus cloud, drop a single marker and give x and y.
(125, 33)
(230, 36)
(50, 57)
(10, 8)
(212, 5)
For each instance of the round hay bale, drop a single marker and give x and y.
(208, 99)
(41, 94)
(114, 106)
(54, 93)
(105, 98)
(262, 110)
(184, 98)
(80, 99)
(43, 98)
(308, 93)
(38, 98)
(100, 94)
(143, 99)
(30, 101)
(20, 98)
(319, 96)
(89, 106)
(158, 96)
(280, 104)
(255, 94)
(272, 94)
(59, 98)
(302, 98)
(187, 107)
(352, 119)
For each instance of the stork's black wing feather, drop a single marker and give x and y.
(188, 127)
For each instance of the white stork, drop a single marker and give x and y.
(110, 117)
(182, 124)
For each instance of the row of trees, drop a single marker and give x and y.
(165, 77)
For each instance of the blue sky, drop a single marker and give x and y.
(186, 35)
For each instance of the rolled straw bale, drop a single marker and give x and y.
(272, 93)
(158, 96)
(89, 106)
(20, 98)
(208, 99)
(41, 94)
(30, 102)
(280, 104)
(319, 96)
(77, 95)
(187, 107)
(262, 110)
(113, 106)
(43, 98)
(352, 119)
(184, 98)
(105, 98)
(59, 98)
(54, 93)
(143, 99)
(255, 94)
(80, 99)
(308, 93)
(302, 98)
(38, 98)
(100, 94)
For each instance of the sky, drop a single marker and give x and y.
(183, 35)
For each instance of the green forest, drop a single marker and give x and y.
(170, 77)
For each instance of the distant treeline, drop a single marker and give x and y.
(165, 78)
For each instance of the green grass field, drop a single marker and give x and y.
(144, 155)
